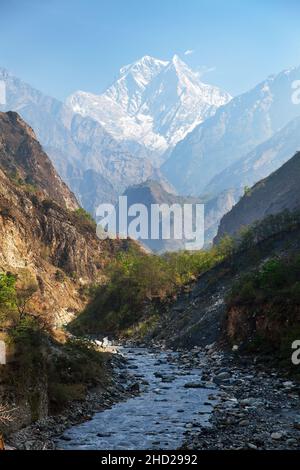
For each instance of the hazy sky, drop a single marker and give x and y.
(60, 46)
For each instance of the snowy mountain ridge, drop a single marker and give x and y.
(153, 102)
(235, 129)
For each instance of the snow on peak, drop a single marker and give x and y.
(177, 61)
(143, 70)
(155, 102)
(146, 62)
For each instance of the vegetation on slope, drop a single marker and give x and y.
(138, 285)
(264, 308)
(49, 252)
(45, 370)
(260, 268)
(85, 217)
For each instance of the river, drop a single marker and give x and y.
(171, 401)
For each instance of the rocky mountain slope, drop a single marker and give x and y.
(235, 130)
(215, 208)
(155, 192)
(44, 237)
(274, 194)
(50, 257)
(247, 290)
(230, 184)
(152, 192)
(94, 165)
(23, 159)
(260, 162)
(202, 313)
(153, 102)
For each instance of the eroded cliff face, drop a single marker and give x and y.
(23, 159)
(42, 236)
(49, 243)
(270, 196)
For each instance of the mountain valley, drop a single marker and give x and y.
(212, 327)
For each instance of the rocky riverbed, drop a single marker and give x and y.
(199, 399)
(256, 407)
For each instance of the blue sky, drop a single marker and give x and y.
(60, 46)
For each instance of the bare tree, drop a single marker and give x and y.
(5, 418)
(23, 297)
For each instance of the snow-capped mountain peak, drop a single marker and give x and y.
(176, 60)
(145, 68)
(154, 102)
(128, 90)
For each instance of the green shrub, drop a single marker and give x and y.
(27, 184)
(272, 294)
(7, 291)
(59, 275)
(271, 225)
(84, 217)
(273, 275)
(276, 281)
(69, 369)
